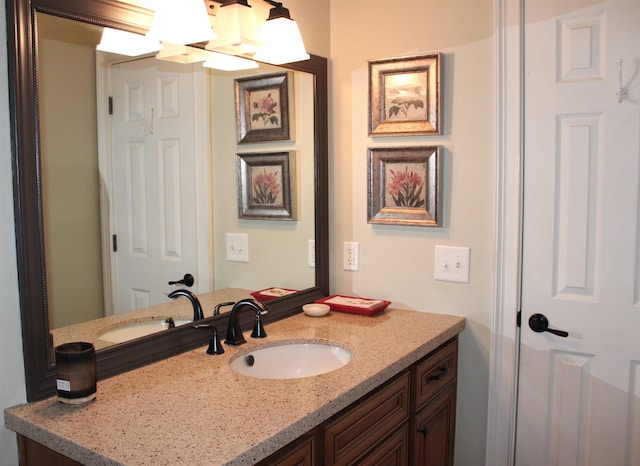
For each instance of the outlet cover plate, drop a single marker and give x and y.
(451, 264)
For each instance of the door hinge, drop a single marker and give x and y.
(519, 319)
(110, 105)
(114, 242)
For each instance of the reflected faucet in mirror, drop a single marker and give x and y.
(234, 332)
(197, 308)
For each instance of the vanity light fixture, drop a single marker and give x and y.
(181, 22)
(237, 29)
(221, 61)
(127, 43)
(278, 41)
(280, 35)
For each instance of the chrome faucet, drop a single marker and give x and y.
(197, 308)
(234, 332)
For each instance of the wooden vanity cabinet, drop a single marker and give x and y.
(408, 420)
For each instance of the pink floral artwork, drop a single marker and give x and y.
(266, 185)
(265, 109)
(405, 185)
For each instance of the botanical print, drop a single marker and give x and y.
(405, 186)
(266, 185)
(405, 96)
(265, 109)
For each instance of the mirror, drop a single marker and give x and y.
(28, 189)
(147, 194)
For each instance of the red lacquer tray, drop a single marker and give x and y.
(354, 305)
(272, 293)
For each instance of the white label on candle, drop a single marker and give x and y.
(64, 385)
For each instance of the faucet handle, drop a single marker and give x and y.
(214, 342)
(258, 328)
(216, 310)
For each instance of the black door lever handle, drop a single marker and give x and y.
(539, 323)
(186, 280)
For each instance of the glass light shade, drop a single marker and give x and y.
(237, 29)
(181, 22)
(181, 54)
(282, 42)
(220, 61)
(127, 43)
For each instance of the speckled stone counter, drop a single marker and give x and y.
(192, 409)
(178, 309)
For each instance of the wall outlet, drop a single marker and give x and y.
(237, 247)
(312, 253)
(351, 256)
(451, 264)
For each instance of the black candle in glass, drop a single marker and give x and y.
(76, 372)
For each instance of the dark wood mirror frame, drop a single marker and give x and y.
(23, 85)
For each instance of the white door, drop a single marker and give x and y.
(154, 144)
(579, 396)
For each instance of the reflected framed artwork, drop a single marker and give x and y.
(265, 185)
(404, 96)
(263, 108)
(404, 186)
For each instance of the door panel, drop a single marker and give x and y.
(153, 159)
(578, 396)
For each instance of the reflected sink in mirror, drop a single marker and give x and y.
(291, 360)
(134, 330)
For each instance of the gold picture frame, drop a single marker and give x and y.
(404, 96)
(404, 186)
(265, 185)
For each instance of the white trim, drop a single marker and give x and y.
(503, 368)
(103, 91)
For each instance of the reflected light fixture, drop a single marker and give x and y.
(181, 22)
(221, 61)
(237, 29)
(281, 39)
(127, 43)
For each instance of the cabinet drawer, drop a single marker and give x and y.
(435, 372)
(352, 433)
(393, 451)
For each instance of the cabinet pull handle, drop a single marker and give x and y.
(439, 375)
(423, 430)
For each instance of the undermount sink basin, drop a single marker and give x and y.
(291, 360)
(133, 330)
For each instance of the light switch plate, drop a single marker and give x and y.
(238, 247)
(312, 253)
(451, 264)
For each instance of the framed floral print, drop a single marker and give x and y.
(262, 108)
(404, 96)
(404, 186)
(265, 186)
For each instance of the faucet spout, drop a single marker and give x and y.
(197, 308)
(234, 332)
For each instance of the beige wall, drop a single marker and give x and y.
(397, 262)
(70, 177)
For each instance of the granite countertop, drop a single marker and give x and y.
(178, 309)
(193, 409)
